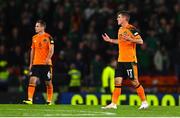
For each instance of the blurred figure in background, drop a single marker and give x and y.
(75, 78)
(176, 60)
(4, 73)
(161, 61)
(108, 76)
(96, 70)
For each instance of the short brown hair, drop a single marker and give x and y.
(42, 23)
(125, 13)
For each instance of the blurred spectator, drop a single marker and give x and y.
(90, 37)
(108, 76)
(2, 36)
(161, 61)
(75, 78)
(80, 65)
(69, 53)
(61, 68)
(4, 73)
(96, 70)
(176, 60)
(152, 41)
(177, 13)
(17, 55)
(144, 60)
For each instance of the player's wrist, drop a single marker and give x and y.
(110, 40)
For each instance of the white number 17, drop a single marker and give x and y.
(129, 72)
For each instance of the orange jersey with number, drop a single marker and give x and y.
(41, 45)
(127, 49)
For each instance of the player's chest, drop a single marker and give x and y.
(121, 32)
(40, 42)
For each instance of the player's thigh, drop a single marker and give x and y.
(119, 73)
(34, 74)
(134, 75)
(46, 73)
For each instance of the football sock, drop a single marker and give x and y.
(140, 92)
(116, 93)
(49, 92)
(31, 89)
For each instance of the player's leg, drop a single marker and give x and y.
(49, 91)
(139, 87)
(49, 85)
(31, 89)
(115, 95)
(117, 90)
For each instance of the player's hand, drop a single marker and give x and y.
(106, 37)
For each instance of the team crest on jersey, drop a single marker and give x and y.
(125, 32)
(44, 40)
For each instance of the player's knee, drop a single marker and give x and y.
(135, 83)
(118, 81)
(48, 83)
(32, 80)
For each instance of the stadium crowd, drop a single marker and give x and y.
(76, 26)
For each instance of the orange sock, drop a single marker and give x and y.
(49, 92)
(140, 92)
(116, 93)
(31, 89)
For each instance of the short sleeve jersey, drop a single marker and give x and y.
(127, 49)
(41, 45)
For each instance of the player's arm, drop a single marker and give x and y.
(108, 39)
(135, 38)
(31, 56)
(51, 50)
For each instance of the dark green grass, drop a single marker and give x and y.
(84, 111)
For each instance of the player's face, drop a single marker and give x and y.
(120, 19)
(39, 28)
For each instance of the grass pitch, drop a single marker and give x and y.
(17, 110)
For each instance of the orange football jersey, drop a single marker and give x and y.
(41, 44)
(127, 49)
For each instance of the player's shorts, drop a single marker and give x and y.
(126, 70)
(42, 71)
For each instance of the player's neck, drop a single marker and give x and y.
(42, 32)
(125, 24)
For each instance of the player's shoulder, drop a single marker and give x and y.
(47, 34)
(34, 36)
(50, 37)
(131, 27)
(133, 30)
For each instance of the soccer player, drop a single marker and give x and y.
(128, 37)
(42, 49)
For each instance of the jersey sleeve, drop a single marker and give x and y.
(135, 33)
(32, 44)
(51, 40)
